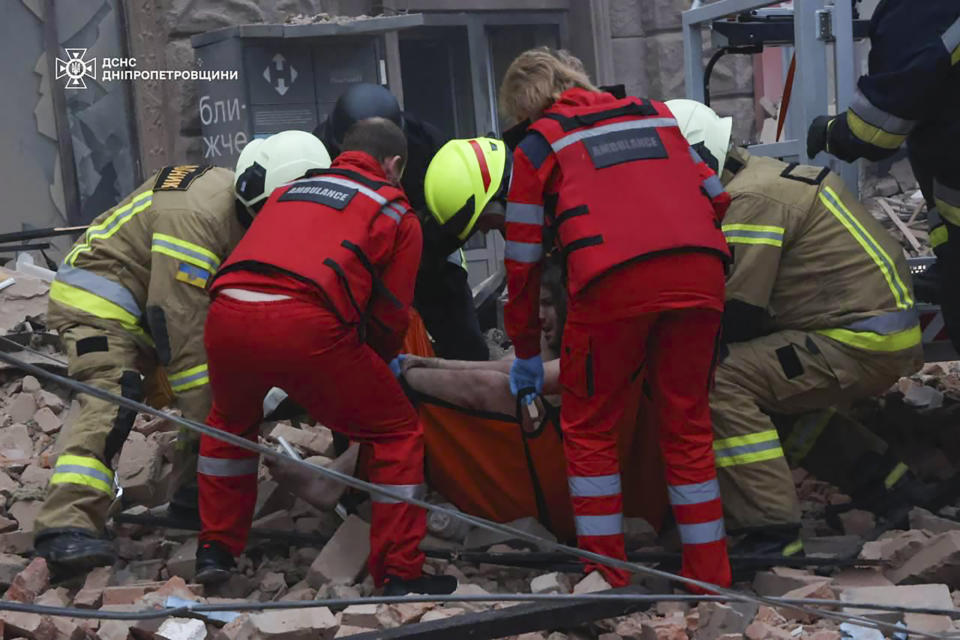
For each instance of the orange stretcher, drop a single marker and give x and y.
(486, 466)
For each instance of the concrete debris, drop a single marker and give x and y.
(344, 557)
(296, 624)
(592, 583)
(550, 583)
(182, 629)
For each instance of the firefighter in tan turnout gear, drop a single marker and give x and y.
(130, 301)
(819, 312)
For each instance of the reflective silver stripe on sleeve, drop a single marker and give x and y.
(577, 136)
(409, 491)
(879, 118)
(390, 213)
(694, 493)
(743, 233)
(594, 486)
(951, 39)
(100, 286)
(695, 156)
(524, 213)
(610, 525)
(887, 323)
(343, 182)
(731, 452)
(713, 186)
(702, 532)
(523, 251)
(227, 467)
(84, 471)
(180, 248)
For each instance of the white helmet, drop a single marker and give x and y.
(266, 164)
(701, 124)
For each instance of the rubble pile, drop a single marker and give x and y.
(895, 200)
(320, 555)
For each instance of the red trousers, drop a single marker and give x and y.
(342, 383)
(675, 349)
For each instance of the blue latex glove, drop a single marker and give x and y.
(525, 376)
(396, 365)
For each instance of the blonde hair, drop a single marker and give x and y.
(536, 79)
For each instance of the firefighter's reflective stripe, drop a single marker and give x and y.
(805, 433)
(83, 470)
(525, 213)
(702, 532)
(901, 294)
(95, 305)
(594, 486)
(895, 474)
(753, 447)
(951, 40)
(111, 225)
(948, 202)
(105, 288)
(870, 341)
(608, 525)
(713, 186)
(876, 126)
(408, 491)
(793, 548)
(189, 379)
(528, 252)
(227, 467)
(183, 250)
(754, 234)
(698, 493)
(888, 323)
(577, 136)
(938, 230)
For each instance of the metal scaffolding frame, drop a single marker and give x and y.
(817, 23)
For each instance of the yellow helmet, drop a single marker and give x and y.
(463, 177)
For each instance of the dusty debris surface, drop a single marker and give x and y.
(918, 549)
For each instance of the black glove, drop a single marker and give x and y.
(817, 136)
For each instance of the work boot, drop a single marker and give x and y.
(184, 507)
(425, 584)
(75, 551)
(214, 563)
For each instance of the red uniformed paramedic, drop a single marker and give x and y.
(636, 214)
(315, 301)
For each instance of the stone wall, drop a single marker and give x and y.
(648, 57)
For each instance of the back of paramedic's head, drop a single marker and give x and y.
(536, 78)
(383, 140)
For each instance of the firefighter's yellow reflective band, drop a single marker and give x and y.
(871, 134)
(111, 225)
(901, 294)
(870, 341)
(189, 379)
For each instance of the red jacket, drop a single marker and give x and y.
(349, 234)
(616, 182)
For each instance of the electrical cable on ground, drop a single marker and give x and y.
(482, 523)
(200, 608)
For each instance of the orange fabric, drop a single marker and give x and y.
(478, 462)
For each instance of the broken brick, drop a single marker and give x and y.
(10, 566)
(718, 619)
(49, 400)
(183, 560)
(360, 615)
(47, 420)
(763, 631)
(36, 475)
(344, 557)
(550, 583)
(482, 538)
(857, 522)
(91, 595)
(935, 596)
(296, 624)
(25, 512)
(15, 441)
(139, 469)
(591, 583)
(27, 625)
(30, 582)
(936, 561)
(922, 519)
(817, 590)
(30, 384)
(22, 407)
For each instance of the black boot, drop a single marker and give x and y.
(773, 542)
(214, 563)
(184, 509)
(74, 551)
(425, 584)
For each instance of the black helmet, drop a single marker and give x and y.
(363, 101)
